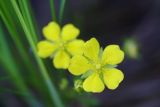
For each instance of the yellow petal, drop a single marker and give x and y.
(45, 48)
(78, 65)
(75, 47)
(69, 32)
(52, 31)
(61, 60)
(91, 49)
(112, 55)
(93, 84)
(112, 78)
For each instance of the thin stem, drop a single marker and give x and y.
(6, 17)
(51, 88)
(53, 11)
(27, 16)
(9, 64)
(61, 12)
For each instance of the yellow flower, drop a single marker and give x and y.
(60, 44)
(98, 66)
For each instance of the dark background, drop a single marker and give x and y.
(111, 22)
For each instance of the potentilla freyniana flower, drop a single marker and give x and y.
(98, 66)
(60, 44)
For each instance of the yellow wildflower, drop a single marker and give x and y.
(60, 44)
(98, 66)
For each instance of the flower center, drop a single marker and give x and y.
(98, 66)
(61, 44)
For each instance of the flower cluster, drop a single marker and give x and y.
(97, 66)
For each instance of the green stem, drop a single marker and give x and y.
(7, 19)
(62, 5)
(53, 11)
(27, 16)
(11, 68)
(51, 88)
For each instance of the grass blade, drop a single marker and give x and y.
(7, 19)
(8, 62)
(24, 5)
(53, 11)
(51, 88)
(61, 12)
